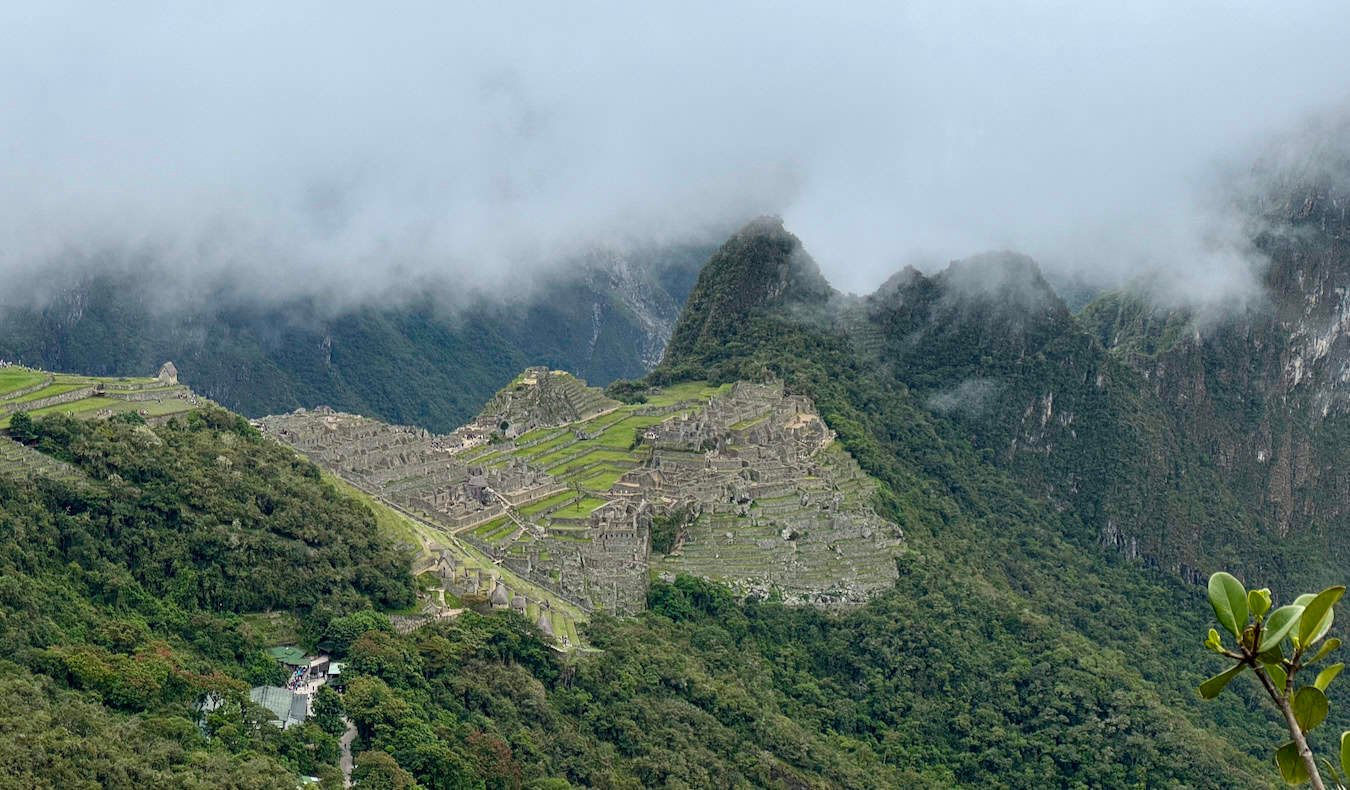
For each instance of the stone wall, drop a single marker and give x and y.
(42, 403)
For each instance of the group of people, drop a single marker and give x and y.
(297, 677)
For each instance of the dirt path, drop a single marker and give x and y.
(346, 743)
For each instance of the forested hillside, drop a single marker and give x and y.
(431, 359)
(122, 590)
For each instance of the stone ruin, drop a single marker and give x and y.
(409, 467)
(539, 397)
(770, 504)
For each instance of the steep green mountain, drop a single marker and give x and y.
(431, 360)
(1261, 391)
(1189, 439)
(760, 266)
(989, 347)
(994, 421)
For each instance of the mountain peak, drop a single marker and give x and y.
(761, 266)
(1005, 279)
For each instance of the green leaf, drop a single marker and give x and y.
(1212, 641)
(1211, 688)
(1291, 766)
(1329, 768)
(1310, 707)
(1318, 615)
(1327, 646)
(1229, 600)
(1272, 656)
(1278, 626)
(1327, 675)
(1258, 601)
(1345, 752)
(1277, 676)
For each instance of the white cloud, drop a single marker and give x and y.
(350, 147)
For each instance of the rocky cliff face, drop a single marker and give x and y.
(1263, 391)
(1190, 440)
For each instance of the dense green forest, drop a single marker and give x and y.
(121, 596)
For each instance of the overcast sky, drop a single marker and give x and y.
(353, 144)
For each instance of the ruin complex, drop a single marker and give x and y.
(564, 488)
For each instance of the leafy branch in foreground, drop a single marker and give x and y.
(1277, 647)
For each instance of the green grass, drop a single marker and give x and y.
(63, 383)
(483, 530)
(274, 628)
(620, 436)
(549, 503)
(599, 424)
(500, 531)
(12, 379)
(387, 520)
(75, 408)
(603, 480)
(579, 509)
(489, 458)
(690, 390)
(49, 391)
(563, 439)
(594, 456)
(540, 433)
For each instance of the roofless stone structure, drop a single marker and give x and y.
(563, 487)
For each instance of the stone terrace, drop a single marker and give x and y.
(560, 486)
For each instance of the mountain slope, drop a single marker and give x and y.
(127, 589)
(1260, 391)
(762, 266)
(426, 361)
(1000, 548)
(937, 683)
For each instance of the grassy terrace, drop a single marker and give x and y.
(12, 379)
(691, 390)
(89, 406)
(591, 466)
(425, 539)
(46, 392)
(490, 527)
(549, 504)
(602, 477)
(579, 509)
(15, 379)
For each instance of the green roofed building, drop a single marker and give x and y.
(287, 707)
(290, 656)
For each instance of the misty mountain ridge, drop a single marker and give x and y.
(1242, 409)
(430, 360)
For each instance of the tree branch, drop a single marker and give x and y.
(1304, 753)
